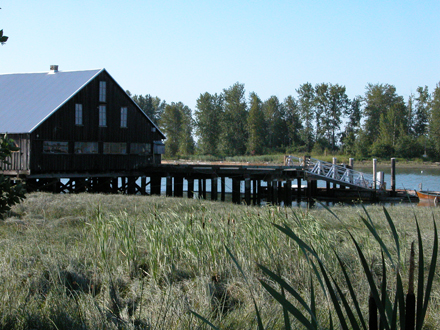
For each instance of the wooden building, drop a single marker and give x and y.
(74, 121)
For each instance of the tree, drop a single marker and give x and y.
(234, 132)
(208, 117)
(256, 126)
(321, 105)
(421, 120)
(293, 121)
(177, 125)
(306, 95)
(331, 102)
(379, 100)
(276, 124)
(339, 104)
(153, 107)
(10, 193)
(434, 123)
(351, 132)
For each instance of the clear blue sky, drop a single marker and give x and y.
(179, 49)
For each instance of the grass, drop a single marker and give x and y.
(91, 261)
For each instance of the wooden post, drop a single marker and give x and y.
(223, 188)
(393, 177)
(309, 190)
(374, 173)
(275, 192)
(258, 192)
(200, 185)
(190, 187)
(236, 191)
(288, 193)
(334, 162)
(298, 192)
(155, 185)
(247, 191)
(214, 188)
(204, 188)
(169, 189)
(254, 192)
(351, 165)
(143, 185)
(178, 186)
(269, 192)
(131, 189)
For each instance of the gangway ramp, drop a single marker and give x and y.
(339, 174)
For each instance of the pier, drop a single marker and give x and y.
(295, 181)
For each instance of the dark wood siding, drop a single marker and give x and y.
(60, 126)
(19, 161)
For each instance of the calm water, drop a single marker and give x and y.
(410, 178)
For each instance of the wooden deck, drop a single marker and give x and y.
(251, 184)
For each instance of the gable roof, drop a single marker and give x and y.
(27, 99)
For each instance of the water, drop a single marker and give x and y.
(410, 178)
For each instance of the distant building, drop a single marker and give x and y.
(74, 121)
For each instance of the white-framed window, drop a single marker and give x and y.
(124, 117)
(102, 116)
(78, 114)
(102, 91)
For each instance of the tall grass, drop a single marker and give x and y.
(92, 261)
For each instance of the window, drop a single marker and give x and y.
(55, 147)
(115, 148)
(86, 147)
(102, 91)
(124, 117)
(78, 114)
(140, 148)
(102, 116)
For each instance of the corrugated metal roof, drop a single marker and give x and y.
(27, 99)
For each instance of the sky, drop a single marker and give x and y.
(177, 50)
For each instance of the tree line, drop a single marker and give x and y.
(318, 119)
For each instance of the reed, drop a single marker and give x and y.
(91, 261)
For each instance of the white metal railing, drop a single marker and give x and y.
(338, 173)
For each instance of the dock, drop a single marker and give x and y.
(295, 181)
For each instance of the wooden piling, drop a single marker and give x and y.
(178, 186)
(200, 188)
(214, 188)
(236, 191)
(190, 187)
(393, 177)
(155, 184)
(269, 192)
(258, 192)
(222, 188)
(169, 188)
(288, 193)
(247, 191)
(204, 188)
